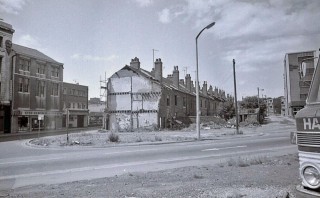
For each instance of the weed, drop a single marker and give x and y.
(235, 195)
(157, 139)
(139, 139)
(113, 137)
(245, 161)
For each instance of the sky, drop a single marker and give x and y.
(96, 38)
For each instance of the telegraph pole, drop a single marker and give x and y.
(235, 95)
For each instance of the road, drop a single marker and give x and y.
(22, 165)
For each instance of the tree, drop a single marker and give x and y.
(226, 110)
(251, 102)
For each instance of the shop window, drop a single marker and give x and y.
(23, 123)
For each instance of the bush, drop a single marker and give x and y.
(157, 139)
(113, 137)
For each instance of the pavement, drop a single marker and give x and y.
(35, 134)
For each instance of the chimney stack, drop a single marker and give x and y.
(188, 82)
(158, 70)
(135, 63)
(210, 91)
(169, 77)
(204, 88)
(175, 76)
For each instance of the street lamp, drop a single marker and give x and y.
(197, 80)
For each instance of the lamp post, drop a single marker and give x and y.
(197, 81)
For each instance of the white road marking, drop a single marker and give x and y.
(231, 147)
(34, 160)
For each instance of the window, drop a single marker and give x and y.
(55, 89)
(64, 91)
(40, 89)
(55, 72)
(41, 69)
(184, 101)
(205, 104)
(303, 96)
(1, 41)
(26, 85)
(20, 85)
(200, 103)
(168, 100)
(68, 105)
(73, 92)
(176, 100)
(73, 105)
(83, 106)
(24, 64)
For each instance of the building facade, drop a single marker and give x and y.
(141, 99)
(296, 88)
(37, 90)
(96, 111)
(75, 104)
(31, 87)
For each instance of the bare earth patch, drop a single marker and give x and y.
(262, 178)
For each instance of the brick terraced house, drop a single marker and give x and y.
(141, 99)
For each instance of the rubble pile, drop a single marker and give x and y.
(249, 122)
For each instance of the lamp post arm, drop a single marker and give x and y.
(200, 33)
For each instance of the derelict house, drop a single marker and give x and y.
(141, 99)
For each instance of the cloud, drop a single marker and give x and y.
(144, 3)
(164, 16)
(29, 41)
(12, 6)
(93, 58)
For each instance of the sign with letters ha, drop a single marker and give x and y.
(308, 124)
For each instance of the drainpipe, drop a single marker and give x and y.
(12, 84)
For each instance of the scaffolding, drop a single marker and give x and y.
(104, 95)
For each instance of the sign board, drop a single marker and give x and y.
(308, 124)
(41, 117)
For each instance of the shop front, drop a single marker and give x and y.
(78, 118)
(28, 120)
